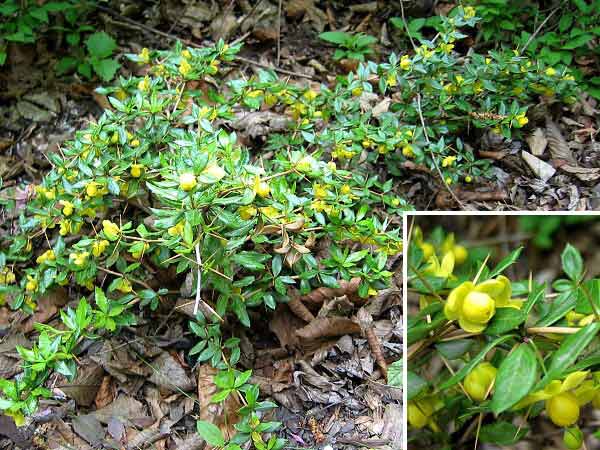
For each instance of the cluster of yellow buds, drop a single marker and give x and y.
(67, 208)
(521, 120)
(575, 319)
(144, 56)
(32, 283)
(475, 305)
(448, 161)
(68, 226)
(469, 12)
(7, 276)
(184, 67)
(79, 258)
(98, 247)
(177, 229)
(49, 194)
(451, 254)
(111, 230)
(320, 191)
(305, 164)
(247, 212)
(405, 62)
(48, 255)
(342, 152)
(95, 189)
(322, 206)
(144, 84)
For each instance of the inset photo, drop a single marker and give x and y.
(502, 331)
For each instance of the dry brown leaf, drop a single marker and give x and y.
(559, 148)
(583, 173)
(537, 142)
(541, 169)
(48, 306)
(222, 414)
(86, 384)
(328, 327)
(169, 374)
(106, 393)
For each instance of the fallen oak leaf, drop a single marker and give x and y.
(328, 327)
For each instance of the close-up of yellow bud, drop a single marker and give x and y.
(187, 181)
(563, 409)
(478, 307)
(136, 170)
(479, 381)
(247, 212)
(68, 208)
(261, 188)
(98, 247)
(48, 255)
(111, 230)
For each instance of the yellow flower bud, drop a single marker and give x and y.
(304, 164)
(187, 181)
(261, 188)
(67, 208)
(111, 230)
(144, 55)
(32, 284)
(407, 151)
(460, 254)
(427, 249)
(478, 307)
(48, 255)
(416, 416)
(136, 170)
(124, 286)
(468, 179)
(176, 230)
(91, 189)
(478, 381)
(550, 71)
(563, 409)
(134, 143)
(357, 91)
(98, 247)
(247, 212)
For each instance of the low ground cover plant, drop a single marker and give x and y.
(161, 182)
(510, 350)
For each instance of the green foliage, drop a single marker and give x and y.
(97, 59)
(566, 37)
(544, 228)
(245, 229)
(352, 46)
(540, 362)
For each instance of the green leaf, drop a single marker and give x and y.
(572, 263)
(504, 320)
(562, 304)
(568, 352)
(336, 37)
(506, 262)
(210, 433)
(100, 45)
(458, 376)
(251, 260)
(515, 378)
(577, 42)
(395, 374)
(502, 433)
(106, 68)
(416, 384)
(454, 349)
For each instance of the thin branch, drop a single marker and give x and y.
(433, 158)
(406, 25)
(537, 31)
(206, 308)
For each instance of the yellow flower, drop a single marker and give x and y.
(187, 181)
(247, 212)
(345, 189)
(184, 68)
(391, 80)
(261, 188)
(488, 60)
(407, 151)
(449, 245)
(136, 170)
(176, 230)
(305, 164)
(469, 12)
(79, 259)
(124, 286)
(269, 211)
(320, 191)
(446, 48)
(443, 269)
(98, 247)
(475, 305)
(91, 189)
(550, 71)
(111, 230)
(522, 120)
(448, 161)
(564, 398)
(405, 62)
(479, 380)
(67, 208)
(310, 95)
(144, 55)
(32, 284)
(144, 84)
(48, 255)
(186, 54)
(134, 143)
(468, 179)
(7, 276)
(420, 413)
